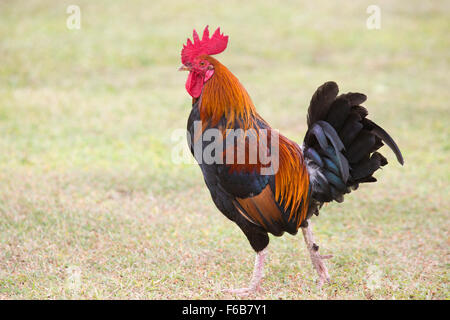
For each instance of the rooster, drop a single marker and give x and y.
(338, 153)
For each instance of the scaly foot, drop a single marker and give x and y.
(258, 273)
(316, 259)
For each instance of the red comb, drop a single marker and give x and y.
(214, 45)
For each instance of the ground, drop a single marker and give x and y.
(93, 207)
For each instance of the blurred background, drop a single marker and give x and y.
(92, 206)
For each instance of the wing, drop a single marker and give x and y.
(252, 197)
(276, 202)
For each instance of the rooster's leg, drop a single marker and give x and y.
(258, 274)
(316, 259)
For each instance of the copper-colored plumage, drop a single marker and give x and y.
(261, 208)
(224, 96)
(292, 180)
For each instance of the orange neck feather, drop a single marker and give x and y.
(224, 96)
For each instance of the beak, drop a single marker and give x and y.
(184, 68)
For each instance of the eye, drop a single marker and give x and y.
(202, 63)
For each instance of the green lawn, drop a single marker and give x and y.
(92, 207)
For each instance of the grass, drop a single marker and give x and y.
(92, 207)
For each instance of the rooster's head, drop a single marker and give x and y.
(194, 58)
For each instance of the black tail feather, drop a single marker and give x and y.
(360, 147)
(368, 166)
(341, 144)
(338, 113)
(321, 101)
(354, 98)
(323, 131)
(351, 128)
(383, 135)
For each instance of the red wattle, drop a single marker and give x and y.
(194, 84)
